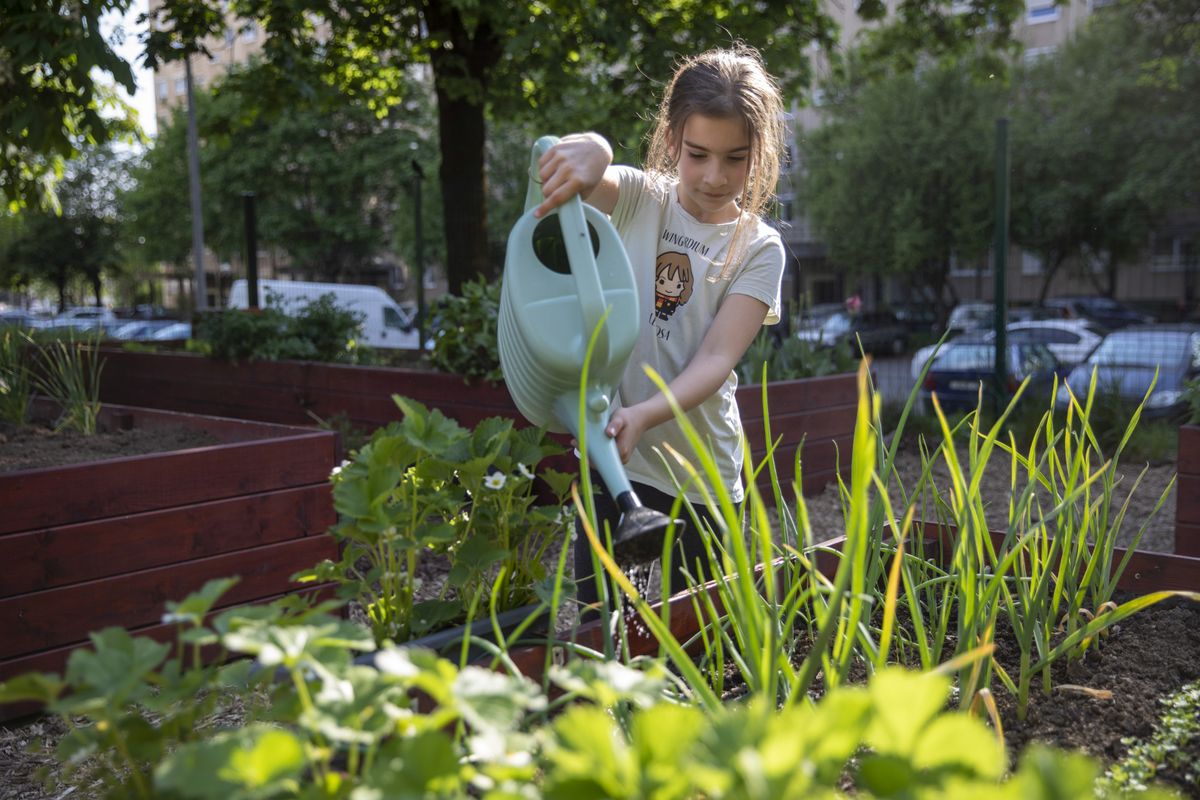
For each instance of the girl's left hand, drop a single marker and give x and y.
(627, 427)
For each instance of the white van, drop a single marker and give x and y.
(386, 324)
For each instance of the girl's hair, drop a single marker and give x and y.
(725, 83)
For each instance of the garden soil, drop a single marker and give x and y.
(40, 446)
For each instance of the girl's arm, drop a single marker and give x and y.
(580, 164)
(738, 321)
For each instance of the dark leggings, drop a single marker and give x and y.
(688, 538)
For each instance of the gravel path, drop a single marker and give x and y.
(825, 510)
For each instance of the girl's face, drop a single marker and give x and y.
(714, 159)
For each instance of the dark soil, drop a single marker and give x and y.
(38, 445)
(1148, 656)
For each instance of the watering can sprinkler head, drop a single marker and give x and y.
(569, 308)
(640, 532)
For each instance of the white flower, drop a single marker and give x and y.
(495, 481)
(339, 468)
(524, 470)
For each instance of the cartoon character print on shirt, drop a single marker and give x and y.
(672, 284)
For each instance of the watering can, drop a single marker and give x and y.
(563, 273)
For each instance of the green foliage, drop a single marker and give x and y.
(1089, 187)
(791, 359)
(331, 180)
(80, 240)
(925, 180)
(322, 725)
(69, 373)
(320, 331)
(465, 332)
(426, 486)
(16, 381)
(56, 97)
(1172, 746)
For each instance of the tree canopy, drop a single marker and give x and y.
(57, 74)
(900, 179)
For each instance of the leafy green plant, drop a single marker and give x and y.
(425, 486)
(1172, 746)
(322, 724)
(791, 358)
(69, 373)
(321, 330)
(465, 332)
(16, 381)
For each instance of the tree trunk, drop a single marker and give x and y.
(460, 79)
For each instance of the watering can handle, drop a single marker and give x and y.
(579, 251)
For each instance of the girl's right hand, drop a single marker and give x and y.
(574, 166)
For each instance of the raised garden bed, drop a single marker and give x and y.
(1187, 493)
(817, 411)
(108, 542)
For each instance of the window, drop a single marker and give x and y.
(1032, 54)
(162, 90)
(1041, 13)
(249, 33)
(967, 268)
(1031, 263)
(180, 86)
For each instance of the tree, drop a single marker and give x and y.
(56, 97)
(1100, 151)
(327, 175)
(900, 179)
(81, 242)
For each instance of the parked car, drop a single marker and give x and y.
(956, 374)
(1071, 340)
(1127, 360)
(1102, 310)
(917, 317)
(879, 332)
(175, 331)
(85, 318)
(21, 318)
(979, 316)
(813, 317)
(139, 329)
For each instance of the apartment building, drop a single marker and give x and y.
(240, 42)
(1169, 268)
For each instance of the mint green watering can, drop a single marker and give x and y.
(562, 274)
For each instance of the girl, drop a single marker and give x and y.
(709, 270)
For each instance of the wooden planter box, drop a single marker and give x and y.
(106, 543)
(819, 411)
(1187, 492)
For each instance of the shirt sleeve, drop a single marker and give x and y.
(635, 191)
(761, 276)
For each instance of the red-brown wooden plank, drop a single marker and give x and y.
(1187, 499)
(789, 397)
(61, 495)
(1188, 460)
(55, 617)
(817, 424)
(56, 660)
(1187, 539)
(44, 559)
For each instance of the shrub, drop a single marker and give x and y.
(465, 333)
(791, 358)
(320, 331)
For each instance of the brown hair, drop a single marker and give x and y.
(678, 267)
(725, 83)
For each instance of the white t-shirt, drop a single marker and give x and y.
(664, 241)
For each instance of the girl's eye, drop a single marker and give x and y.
(696, 155)
(737, 158)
